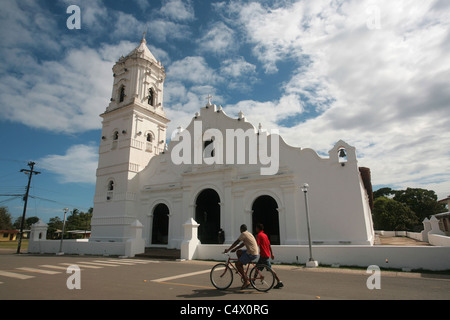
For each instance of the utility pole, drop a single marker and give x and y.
(30, 173)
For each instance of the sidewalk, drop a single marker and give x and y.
(400, 241)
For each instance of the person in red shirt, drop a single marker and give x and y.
(265, 252)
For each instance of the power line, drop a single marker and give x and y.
(12, 160)
(11, 199)
(61, 203)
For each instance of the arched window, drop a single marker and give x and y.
(111, 185)
(122, 94)
(265, 211)
(207, 214)
(151, 97)
(149, 137)
(116, 135)
(160, 229)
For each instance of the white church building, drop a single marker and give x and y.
(221, 171)
(218, 173)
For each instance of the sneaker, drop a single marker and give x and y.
(279, 285)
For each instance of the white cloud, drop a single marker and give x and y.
(162, 30)
(237, 67)
(178, 10)
(78, 165)
(218, 39)
(193, 70)
(184, 102)
(143, 4)
(62, 96)
(267, 113)
(240, 75)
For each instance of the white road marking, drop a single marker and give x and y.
(114, 262)
(15, 275)
(38, 270)
(52, 267)
(101, 264)
(81, 265)
(135, 261)
(182, 276)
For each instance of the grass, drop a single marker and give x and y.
(14, 244)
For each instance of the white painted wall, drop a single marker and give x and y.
(426, 258)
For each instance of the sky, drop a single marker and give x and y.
(374, 73)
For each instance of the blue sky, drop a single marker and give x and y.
(374, 73)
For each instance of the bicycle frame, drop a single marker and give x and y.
(234, 267)
(246, 268)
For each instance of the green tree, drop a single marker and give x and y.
(76, 220)
(54, 224)
(389, 214)
(423, 202)
(28, 222)
(79, 220)
(383, 192)
(5, 219)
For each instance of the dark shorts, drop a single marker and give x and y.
(247, 258)
(265, 261)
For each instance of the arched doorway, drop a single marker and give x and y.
(265, 212)
(207, 214)
(160, 228)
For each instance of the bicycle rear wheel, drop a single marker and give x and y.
(221, 276)
(262, 277)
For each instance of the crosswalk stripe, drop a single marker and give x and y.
(96, 264)
(137, 261)
(101, 264)
(38, 270)
(81, 265)
(52, 267)
(15, 275)
(115, 262)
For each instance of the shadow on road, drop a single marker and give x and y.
(211, 293)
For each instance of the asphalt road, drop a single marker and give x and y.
(39, 277)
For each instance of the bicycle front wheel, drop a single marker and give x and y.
(221, 276)
(262, 278)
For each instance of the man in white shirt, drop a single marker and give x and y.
(244, 256)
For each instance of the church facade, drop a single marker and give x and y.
(221, 171)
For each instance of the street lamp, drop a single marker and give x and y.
(311, 262)
(62, 233)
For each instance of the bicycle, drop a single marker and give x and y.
(261, 276)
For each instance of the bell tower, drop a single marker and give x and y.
(133, 131)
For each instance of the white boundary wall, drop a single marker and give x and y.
(77, 247)
(130, 247)
(431, 233)
(417, 257)
(439, 240)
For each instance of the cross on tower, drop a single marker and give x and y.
(209, 97)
